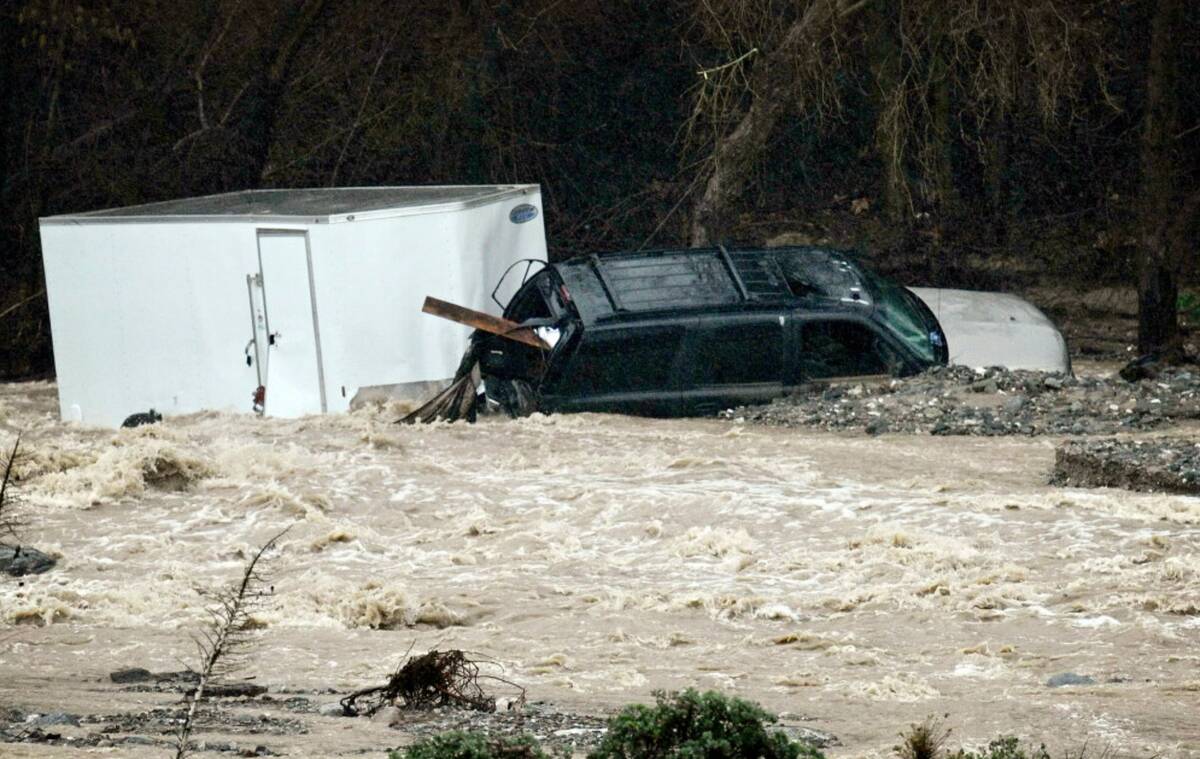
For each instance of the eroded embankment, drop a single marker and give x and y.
(856, 584)
(1167, 465)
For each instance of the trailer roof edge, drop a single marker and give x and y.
(354, 204)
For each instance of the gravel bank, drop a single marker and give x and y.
(958, 400)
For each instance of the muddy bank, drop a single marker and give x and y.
(857, 584)
(958, 400)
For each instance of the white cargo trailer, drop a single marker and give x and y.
(315, 295)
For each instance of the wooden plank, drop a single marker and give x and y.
(483, 321)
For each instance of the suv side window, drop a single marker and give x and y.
(839, 348)
(641, 361)
(734, 354)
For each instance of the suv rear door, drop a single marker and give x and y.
(734, 358)
(630, 369)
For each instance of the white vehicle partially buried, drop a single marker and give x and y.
(996, 329)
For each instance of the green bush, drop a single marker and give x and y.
(693, 725)
(460, 745)
(1003, 748)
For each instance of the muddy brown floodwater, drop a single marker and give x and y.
(854, 584)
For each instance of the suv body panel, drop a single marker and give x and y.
(688, 332)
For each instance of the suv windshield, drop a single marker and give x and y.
(897, 309)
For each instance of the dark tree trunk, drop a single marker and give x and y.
(996, 175)
(941, 194)
(1163, 221)
(9, 36)
(883, 21)
(265, 93)
(735, 154)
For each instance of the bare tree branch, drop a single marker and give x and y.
(225, 636)
(22, 302)
(8, 524)
(362, 107)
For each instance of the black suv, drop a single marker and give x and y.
(691, 332)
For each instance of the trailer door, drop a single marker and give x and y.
(294, 382)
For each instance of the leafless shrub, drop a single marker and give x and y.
(924, 740)
(226, 638)
(938, 71)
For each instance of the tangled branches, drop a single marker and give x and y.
(437, 678)
(937, 73)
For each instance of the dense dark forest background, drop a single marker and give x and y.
(1048, 139)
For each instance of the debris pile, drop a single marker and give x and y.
(1169, 465)
(958, 400)
(434, 679)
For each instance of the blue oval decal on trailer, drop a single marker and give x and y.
(522, 214)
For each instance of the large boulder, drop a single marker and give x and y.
(19, 561)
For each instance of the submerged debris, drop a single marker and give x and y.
(434, 679)
(958, 400)
(1168, 465)
(19, 561)
(458, 401)
(16, 560)
(139, 419)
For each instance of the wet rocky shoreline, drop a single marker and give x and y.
(958, 400)
(991, 402)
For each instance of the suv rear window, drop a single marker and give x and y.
(841, 349)
(638, 362)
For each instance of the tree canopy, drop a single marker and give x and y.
(948, 127)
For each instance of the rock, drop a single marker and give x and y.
(138, 740)
(131, 675)
(331, 710)
(388, 715)
(1015, 404)
(985, 386)
(235, 690)
(54, 718)
(1069, 678)
(1054, 382)
(1142, 368)
(182, 677)
(19, 561)
(877, 427)
(143, 417)
(509, 704)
